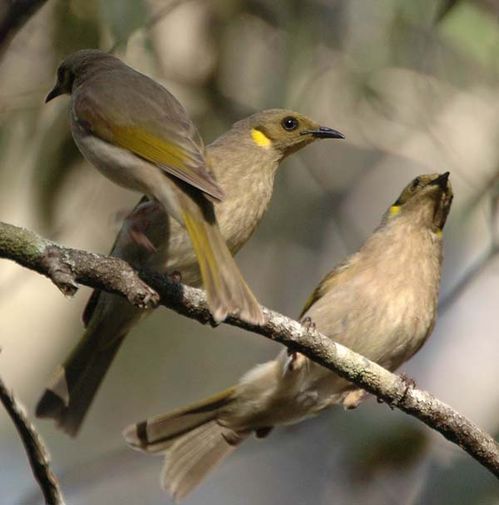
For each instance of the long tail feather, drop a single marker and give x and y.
(158, 433)
(227, 291)
(193, 439)
(69, 394)
(108, 319)
(195, 454)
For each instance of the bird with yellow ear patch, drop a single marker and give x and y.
(244, 161)
(380, 302)
(138, 135)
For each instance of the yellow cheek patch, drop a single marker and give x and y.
(260, 139)
(438, 233)
(394, 210)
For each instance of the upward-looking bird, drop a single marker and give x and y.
(244, 161)
(380, 302)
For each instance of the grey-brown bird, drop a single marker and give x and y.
(380, 302)
(137, 134)
(244, 161)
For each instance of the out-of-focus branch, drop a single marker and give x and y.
(156, 18)
(446, 6)
(115, 276)
(13, 16)
(37, 454)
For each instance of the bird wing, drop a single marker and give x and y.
(122, 248)
(130, 110)
(327, 284)
(343, 306)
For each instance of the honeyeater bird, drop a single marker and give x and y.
(380, 302)
(138, 135)
(244, 161)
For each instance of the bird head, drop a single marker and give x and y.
(284, 131)
(426, 201)
(78, 66)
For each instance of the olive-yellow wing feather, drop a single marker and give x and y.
(130, 110)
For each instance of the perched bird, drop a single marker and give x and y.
(138, 135)
(244, 161)
(380, 302)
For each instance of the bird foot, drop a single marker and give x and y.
(175, 277)
(389, 403)
(308, 324)
(353, 399)
(295, 361)
(138, 222)
(409, 384)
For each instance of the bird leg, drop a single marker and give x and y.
(175, 277)
(137, 223)
(297, 360)
(409, 383)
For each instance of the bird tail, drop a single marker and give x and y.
(194, 441)
(226, 289)
(74, 384)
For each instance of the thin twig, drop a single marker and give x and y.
(35, 449)
(30, 250)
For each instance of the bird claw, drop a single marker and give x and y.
(308, 324)
(297, 360)
(389, 403)
(138, 222)
(409, 383)
(175, 277)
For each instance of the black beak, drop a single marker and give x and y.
(323, 132)
(56, 91)
(441, 180)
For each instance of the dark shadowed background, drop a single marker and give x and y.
(412, 95)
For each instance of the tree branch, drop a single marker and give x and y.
(114, 275)
(37, 454)
(13, 15)
(67, 267)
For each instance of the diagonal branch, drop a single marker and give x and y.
(37, 454)
(114, 275)
(13, 15)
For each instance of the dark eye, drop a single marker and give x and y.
(415, 184)
(289, 123)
